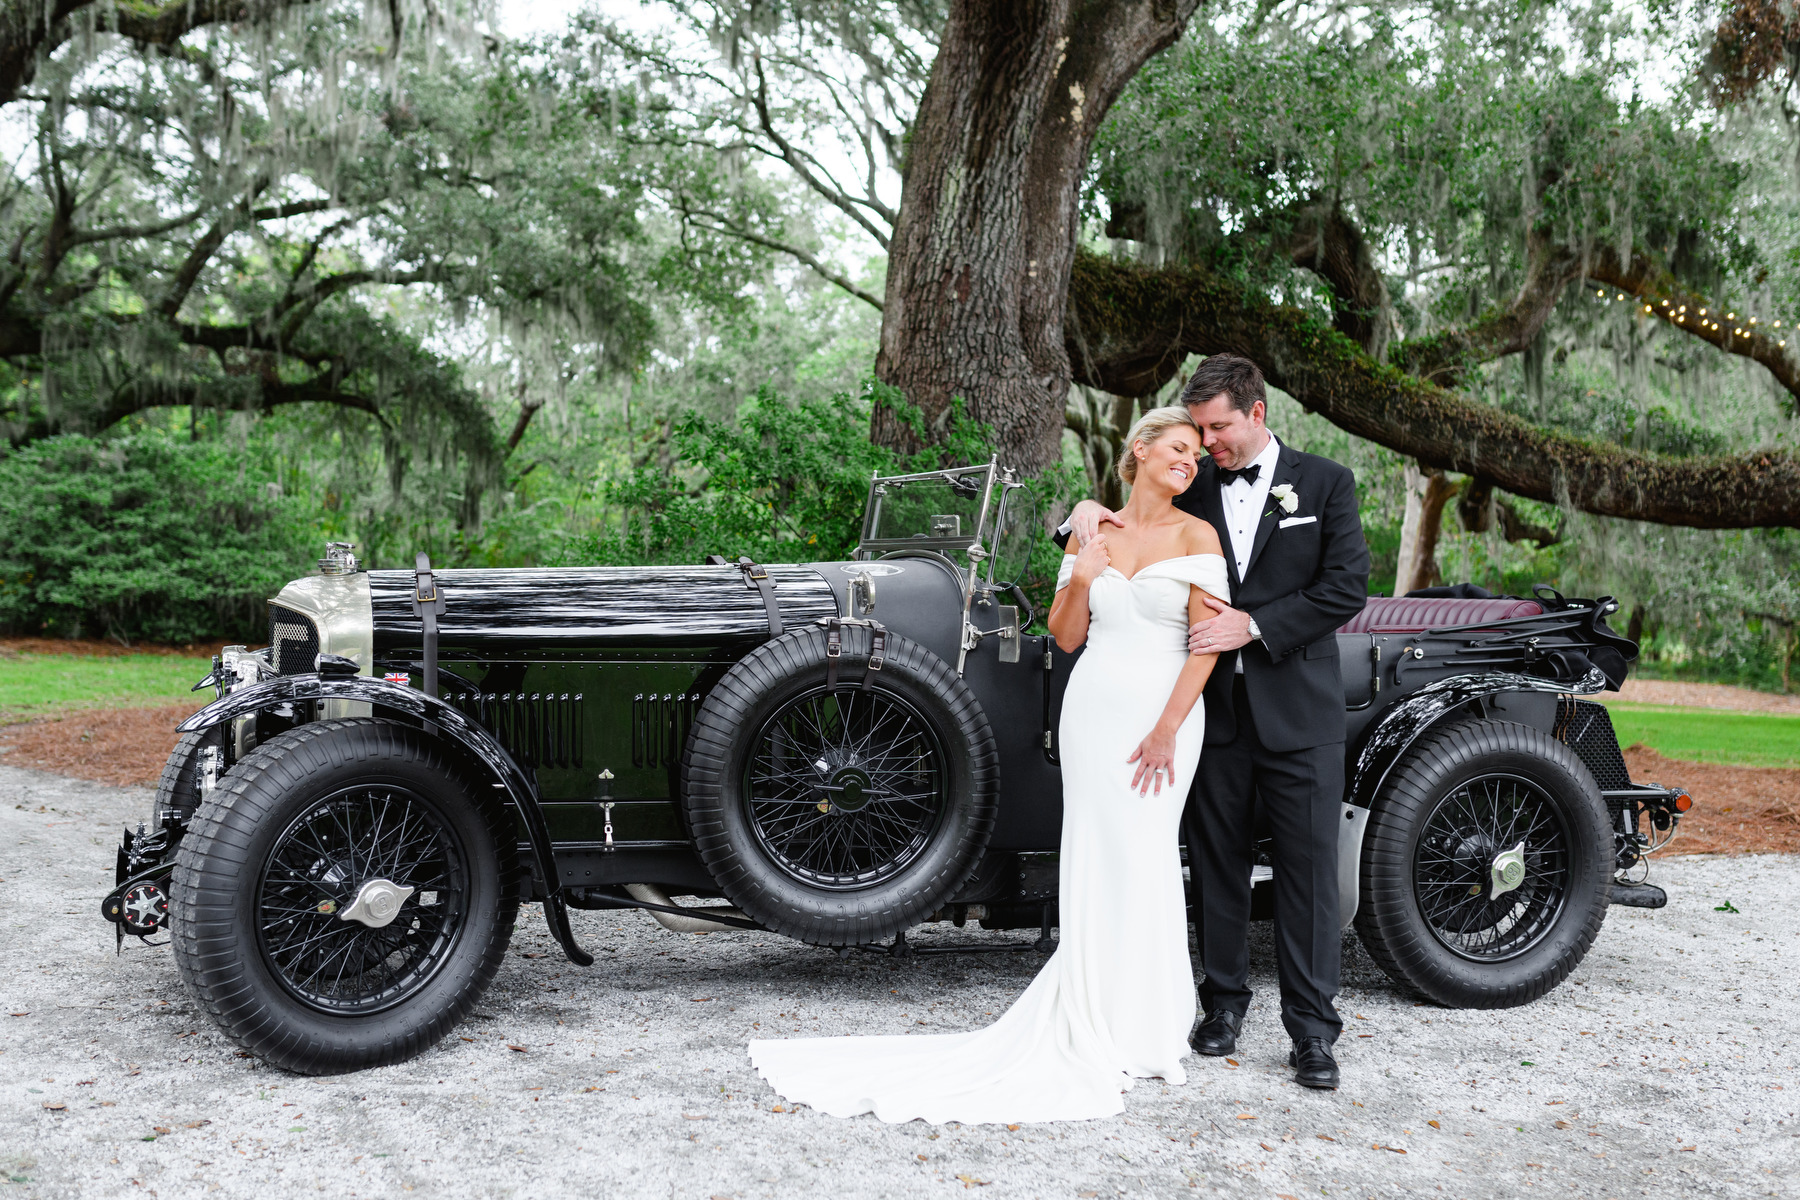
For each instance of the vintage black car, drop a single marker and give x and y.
(838, 751)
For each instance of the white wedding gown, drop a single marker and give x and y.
(1116, 1000)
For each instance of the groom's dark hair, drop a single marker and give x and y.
(1233, 374)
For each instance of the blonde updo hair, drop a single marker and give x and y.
(1149, 430)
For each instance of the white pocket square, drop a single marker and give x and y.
(1296, 521)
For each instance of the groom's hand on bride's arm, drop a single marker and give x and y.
(1227, 629)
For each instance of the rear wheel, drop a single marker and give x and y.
(342, 899)
(1486, 866)
(839, 814)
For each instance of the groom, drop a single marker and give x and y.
(1299, 568)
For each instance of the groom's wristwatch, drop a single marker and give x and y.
(1255, 633)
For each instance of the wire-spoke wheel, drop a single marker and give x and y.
(845, 787)
(345, 896)
(388, 847)
(1473, 903)
(1486, 865)
(839, 815)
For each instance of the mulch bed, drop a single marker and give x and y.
(116, 746)
(1737, 810)
(95, 649)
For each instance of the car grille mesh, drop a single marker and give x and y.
(1588, 730)
(295, 642)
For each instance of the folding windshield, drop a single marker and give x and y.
(939, 510)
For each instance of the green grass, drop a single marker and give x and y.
(31, 684)
(1710, 735)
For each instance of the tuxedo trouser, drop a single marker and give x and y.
(1302, 798)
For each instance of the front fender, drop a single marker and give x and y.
(1407, 721)
(380, 694)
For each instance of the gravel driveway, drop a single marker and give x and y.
(1665, 1067)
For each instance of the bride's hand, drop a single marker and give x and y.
(1155, 759)
(1092, 561)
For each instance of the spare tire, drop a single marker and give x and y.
(840, 814)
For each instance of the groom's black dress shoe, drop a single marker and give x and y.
(1313, 1064)
(1217, 1034)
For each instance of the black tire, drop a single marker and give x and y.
(287, 842)
(908, 795)
(1427, 911)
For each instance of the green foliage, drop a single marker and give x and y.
(142, 538)
(1446, 133)
(787, 482)
(231, 228)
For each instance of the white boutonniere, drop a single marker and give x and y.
(1283, 496)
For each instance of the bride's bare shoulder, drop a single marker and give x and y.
(1199, 537)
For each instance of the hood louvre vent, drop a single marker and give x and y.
(539, 729)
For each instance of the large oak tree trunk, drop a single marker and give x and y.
(978, 269)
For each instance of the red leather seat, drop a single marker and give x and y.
(1400, 614)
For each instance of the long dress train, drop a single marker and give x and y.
(1115, 1001)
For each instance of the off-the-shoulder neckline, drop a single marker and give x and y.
(1158, 563)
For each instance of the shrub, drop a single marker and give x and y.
(142, 538)
(787, 483)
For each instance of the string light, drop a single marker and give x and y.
(1704, 321)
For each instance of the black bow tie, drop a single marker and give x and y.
(1248, 474)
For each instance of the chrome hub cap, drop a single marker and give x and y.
(377, 903)
(1508, 870)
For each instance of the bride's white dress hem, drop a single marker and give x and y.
(1115, 1001)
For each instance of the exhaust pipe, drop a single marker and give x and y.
(649, 893)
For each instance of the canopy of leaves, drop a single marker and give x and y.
(1443, 183)
(213, 225)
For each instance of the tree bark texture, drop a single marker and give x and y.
(1130, 327)
(978, 268)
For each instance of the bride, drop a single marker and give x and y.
(1116, 1000)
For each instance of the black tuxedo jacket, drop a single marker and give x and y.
(1303, 580)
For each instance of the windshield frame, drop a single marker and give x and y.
(870, 546)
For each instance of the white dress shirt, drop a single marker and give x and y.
(1244, 504)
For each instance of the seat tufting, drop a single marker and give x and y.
(1402, 614)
